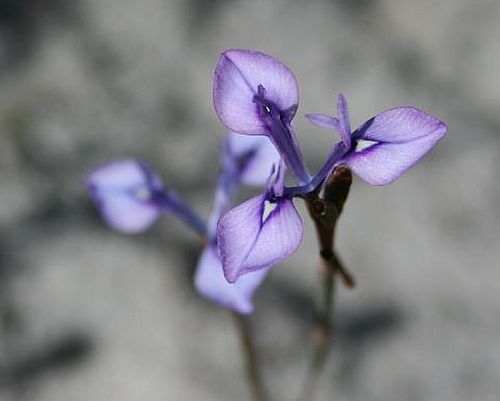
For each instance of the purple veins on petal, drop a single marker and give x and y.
(124, 192)
(258, 234)
(238, 75)
(400, 124)
(398, 138)
(210, 282)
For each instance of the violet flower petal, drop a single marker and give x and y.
(250, 237)
(344, 123)
(324, 121)
(237, 77)
(123, 193)
(210, 282)
(400, 124)
(263, 155)
(401, 137)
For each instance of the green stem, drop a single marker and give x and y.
(251, 361)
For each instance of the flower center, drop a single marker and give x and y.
(142, 193)
(362, 144)
(269, 208)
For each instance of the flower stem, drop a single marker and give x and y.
(321, 336)
(325, 213)
(251, 360)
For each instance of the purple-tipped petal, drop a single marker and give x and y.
(263, 155)
(382, 163)
(324, 121)
(210, 282)
(122, 191)
(344, 123)
(251, 237)
(237, 77)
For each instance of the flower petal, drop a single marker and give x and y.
(237, 77)
(401, 124)
(249, 241)
(324, 121)
(237, 232)
(263, 155)
(210, 282)
(344, 123)
(382, 163)
(401, 137)
(279, 237)
(122, 191)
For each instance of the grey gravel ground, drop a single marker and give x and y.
(87, 314)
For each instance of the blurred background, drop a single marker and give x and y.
(88, 314)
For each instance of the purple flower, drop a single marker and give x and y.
(385, 146)
(256, 97)
(255, 94)
(259, 232)
(124, 192)
(244, 159)
(130, 197)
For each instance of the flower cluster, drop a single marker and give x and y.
(256, 99)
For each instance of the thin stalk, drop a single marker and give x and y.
(321, 335)
(325, 213)
(251, 361)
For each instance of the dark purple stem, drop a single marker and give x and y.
(335, 155)
(170, 202)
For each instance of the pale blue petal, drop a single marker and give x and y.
(211, 283)
(263, 155)
(123, 193)
(324, 121)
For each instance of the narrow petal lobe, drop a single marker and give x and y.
(324, 121)
(344, 123)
